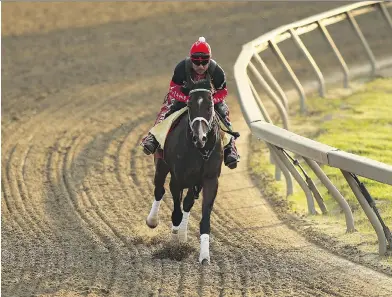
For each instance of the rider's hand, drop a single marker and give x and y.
(185, 90)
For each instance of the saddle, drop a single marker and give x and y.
(159, 151)
(162, 130)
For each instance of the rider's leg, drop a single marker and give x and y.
(231, 156)
(149, 143)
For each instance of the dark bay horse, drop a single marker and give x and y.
(193, 154)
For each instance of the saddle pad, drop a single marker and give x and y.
(161, 130)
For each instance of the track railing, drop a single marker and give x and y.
(280, 140)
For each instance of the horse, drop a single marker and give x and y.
(193, 154)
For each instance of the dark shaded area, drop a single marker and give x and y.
(174, 251)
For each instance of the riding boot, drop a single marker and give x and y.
(231, 156)
(149, 144)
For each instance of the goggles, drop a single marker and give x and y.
(200, 59)
(200, 62)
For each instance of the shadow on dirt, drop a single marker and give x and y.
(174, 251)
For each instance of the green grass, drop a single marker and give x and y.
(360, 123)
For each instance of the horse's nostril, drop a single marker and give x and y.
(204, 138)
(194, 138)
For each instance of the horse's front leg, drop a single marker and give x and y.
(210, 189)
(161, 172)
(188, 203)
(176, 192)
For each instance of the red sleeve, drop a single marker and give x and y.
(219, 95)
(176, 94)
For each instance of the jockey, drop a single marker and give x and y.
(196, 67)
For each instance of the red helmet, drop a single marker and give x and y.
(200, 47)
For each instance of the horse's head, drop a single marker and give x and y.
(201, 111)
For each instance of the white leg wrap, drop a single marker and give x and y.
(183, 232)
(204, 248)
(174, 233)
(153, 218)
(155, 206)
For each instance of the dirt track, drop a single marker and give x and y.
(76, 188)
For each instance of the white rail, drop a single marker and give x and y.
(278, 138)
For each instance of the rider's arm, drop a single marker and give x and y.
(219, 85)
(176, 83)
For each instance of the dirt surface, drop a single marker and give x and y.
(77, 97)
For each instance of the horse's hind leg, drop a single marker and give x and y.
(161, 172)
(210, 189)
(187, 206)
(176, 192)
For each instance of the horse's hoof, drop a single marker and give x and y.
(152, 223)
(204, 258)
(174, 236)
(205, 262)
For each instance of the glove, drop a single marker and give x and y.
(177, 105)
(185, 90)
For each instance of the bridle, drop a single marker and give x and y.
(201, 119)
(204, 152)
